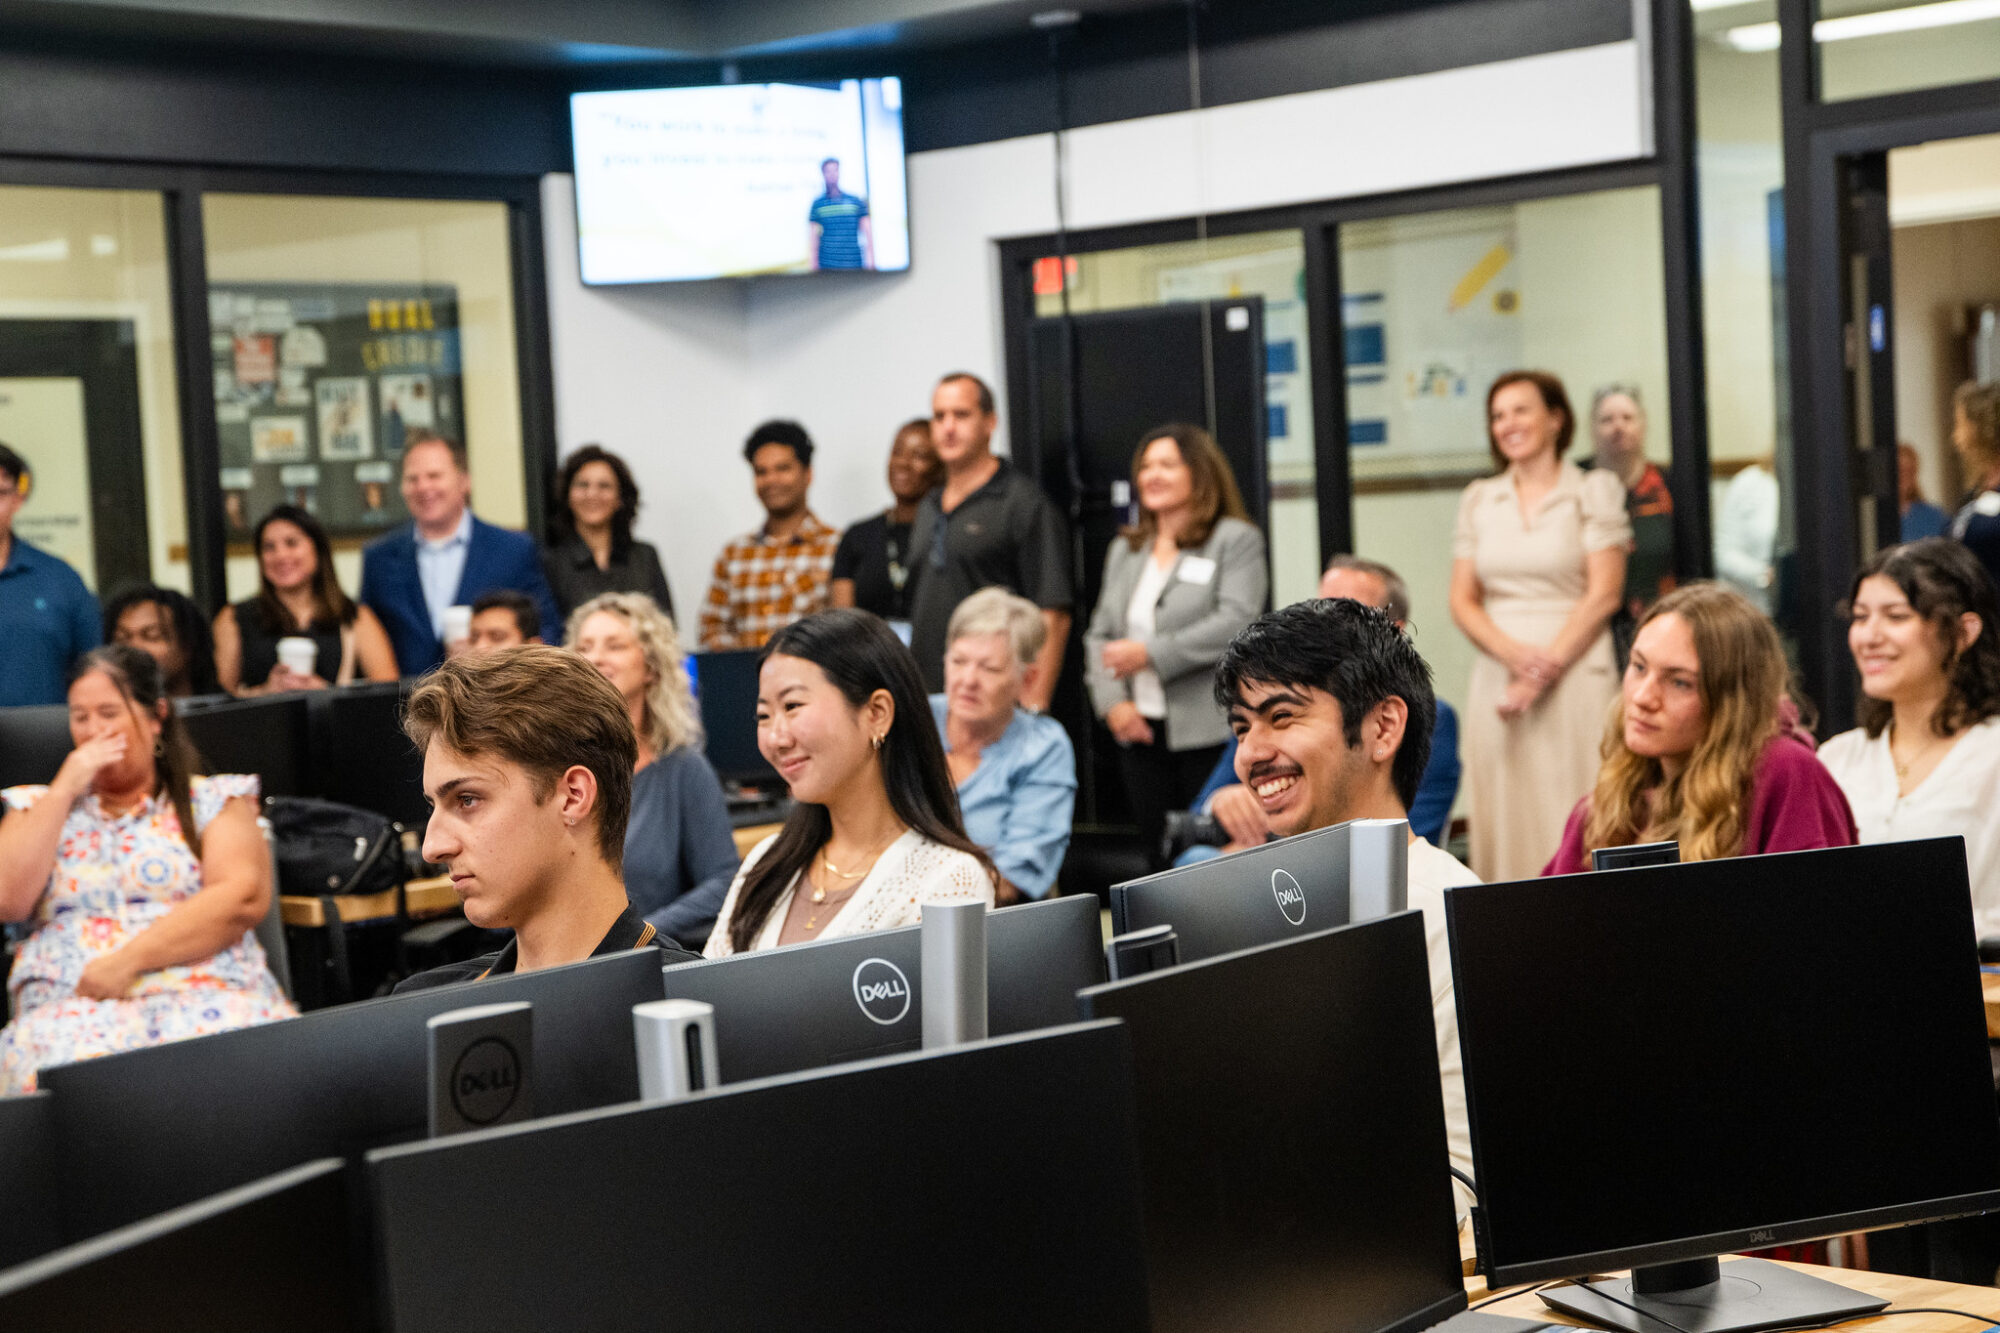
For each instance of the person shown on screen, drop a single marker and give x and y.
(837, 231)
(1332, 708)
(875, 831)
(528, 758)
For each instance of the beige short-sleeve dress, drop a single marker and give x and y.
(1525, 775)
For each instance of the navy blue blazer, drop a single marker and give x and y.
(494, 558)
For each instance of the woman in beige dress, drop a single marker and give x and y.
(1538, 564)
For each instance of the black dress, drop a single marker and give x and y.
(875, 553)
(575, 578)
(260, 646)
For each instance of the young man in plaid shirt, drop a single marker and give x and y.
(783, 571)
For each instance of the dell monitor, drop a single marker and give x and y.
(725, 686)
(1291, 1135)
(269, 737)
(270, 1254)
(990, 1185)
(1291, 887)
(34, 741)
(1669, 1063)
(30, 1211)
(856, 996)
(147, 1130)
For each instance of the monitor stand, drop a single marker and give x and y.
(1699, 1296)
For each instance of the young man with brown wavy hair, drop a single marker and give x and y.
(528, 758)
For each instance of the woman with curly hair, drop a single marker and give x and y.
(1925, 761)
(679, 853)
(1703, 747)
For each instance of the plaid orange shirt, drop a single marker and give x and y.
(761, 585)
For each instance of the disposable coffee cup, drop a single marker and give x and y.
(298, 654)
(457, 623)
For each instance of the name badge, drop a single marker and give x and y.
(1198, 569)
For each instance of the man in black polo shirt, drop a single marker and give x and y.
(528, 758)
(988, 524)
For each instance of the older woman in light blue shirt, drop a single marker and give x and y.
(1015, 770)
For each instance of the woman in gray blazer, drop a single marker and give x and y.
(1177, 587)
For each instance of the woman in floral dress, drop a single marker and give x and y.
(142, 882)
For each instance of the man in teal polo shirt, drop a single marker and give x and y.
(47, 617)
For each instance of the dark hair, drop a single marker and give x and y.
(175, 762)
(1397, 608)
(1354, 653)
(985, 393)
(780, 432)
(860, 655)
(331, 606)
(527, 616)
(823, 161)
(543, 709)
(190, 628)
(11, 463)
(417, 435)
(628, 496)
(1554, 397)
(1943, 580)
(1215, 493)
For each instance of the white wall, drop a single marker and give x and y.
(674, 376)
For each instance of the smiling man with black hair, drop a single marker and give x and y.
(1332, 708)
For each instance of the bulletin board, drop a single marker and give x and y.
(317, 387)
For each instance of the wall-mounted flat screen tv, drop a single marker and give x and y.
(738, 180)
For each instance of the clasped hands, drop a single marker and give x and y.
(1532, 672)
(108, 976)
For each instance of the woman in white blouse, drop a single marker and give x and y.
(842, 716)
(1924, 629)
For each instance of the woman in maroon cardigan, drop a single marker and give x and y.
(1704, 748)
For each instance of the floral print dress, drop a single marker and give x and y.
(114, 877)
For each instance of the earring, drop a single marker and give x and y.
(159, 747)
(877, 739)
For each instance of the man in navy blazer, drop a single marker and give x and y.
(444, 557)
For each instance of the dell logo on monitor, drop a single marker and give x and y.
(485, 1081)
(1291, 898)
(882, 991)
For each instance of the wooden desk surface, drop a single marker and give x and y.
(1990, 983)
(426, 897)
(1901, 1292)
(749, 837)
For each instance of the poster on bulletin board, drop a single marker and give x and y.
(318, 386)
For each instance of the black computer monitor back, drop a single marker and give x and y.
(1284, 889)
(30, 1202)
(1292, 1138)
(726, 688)
(269, 737)
(271, 1254)
(34, 741)
(1668, 1062)
(361, 756)
(148, 1130)
(858, 996)
(986, 1186)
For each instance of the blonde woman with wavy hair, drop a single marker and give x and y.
(679, 853)
(1703, 746)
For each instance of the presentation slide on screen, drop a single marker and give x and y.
(674, 184)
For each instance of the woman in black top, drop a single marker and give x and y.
(874, 569)
(299, 597)
(593, 552)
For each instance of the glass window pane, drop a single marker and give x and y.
(341, 324)
(1867, 47)
(1437, 306)
(1270, 265)
(87, 381)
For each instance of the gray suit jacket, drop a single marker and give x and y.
(1194, 621)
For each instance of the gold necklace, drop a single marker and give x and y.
(1903, 769)
(819, 893)
(818, 896)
